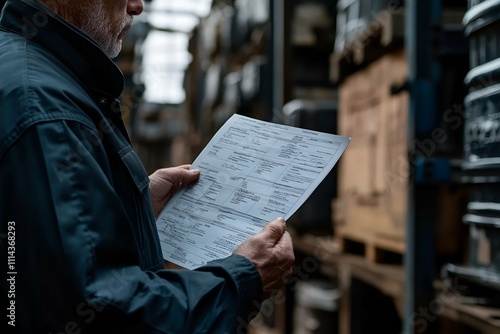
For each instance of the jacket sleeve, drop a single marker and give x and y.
(76, 260)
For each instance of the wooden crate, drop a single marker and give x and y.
(374, 170)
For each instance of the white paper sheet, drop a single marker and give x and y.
(251, 172)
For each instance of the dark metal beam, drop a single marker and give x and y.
(424, 73)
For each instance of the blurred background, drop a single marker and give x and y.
(404, 235)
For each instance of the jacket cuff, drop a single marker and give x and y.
(248, 283)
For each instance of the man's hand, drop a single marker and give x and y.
(165, 182)
(271, 251)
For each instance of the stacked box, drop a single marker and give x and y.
(374, 171)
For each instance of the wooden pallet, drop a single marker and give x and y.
(382, 250)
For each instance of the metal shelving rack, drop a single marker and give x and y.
(430, 46)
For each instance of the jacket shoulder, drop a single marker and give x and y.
(32, 71)
(36, 87)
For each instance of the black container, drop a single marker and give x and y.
(482, 26)
(482, 126)
(484, 191)
(485, 45)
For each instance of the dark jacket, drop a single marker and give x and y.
(83, 249)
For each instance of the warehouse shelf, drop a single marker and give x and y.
(484, 319)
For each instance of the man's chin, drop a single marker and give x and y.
(115, 51)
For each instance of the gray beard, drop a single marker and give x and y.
(95, 22)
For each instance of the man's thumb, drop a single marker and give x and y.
(274, 230)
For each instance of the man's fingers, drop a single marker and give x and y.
(274, 230)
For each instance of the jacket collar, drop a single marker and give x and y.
(79, 52)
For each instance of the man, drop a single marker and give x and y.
(77, 209)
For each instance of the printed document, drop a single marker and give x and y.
(251, 173)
